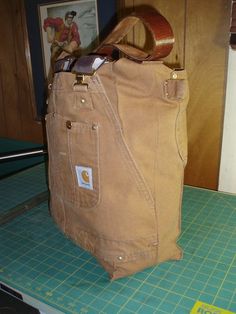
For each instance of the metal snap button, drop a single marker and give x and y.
(68, 124)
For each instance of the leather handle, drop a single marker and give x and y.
(158, 27)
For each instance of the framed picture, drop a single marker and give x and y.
(67, 26)
(93, 19)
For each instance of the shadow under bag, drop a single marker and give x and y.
(117, 148)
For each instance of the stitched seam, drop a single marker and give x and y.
(181, 155)
(141, 184)
(98, 236)
(75, 201)
(181, 196)
(155, 182)
(97, 200)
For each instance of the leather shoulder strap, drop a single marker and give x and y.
(158, 27)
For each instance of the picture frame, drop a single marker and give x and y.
(68, 26)
(106, 20)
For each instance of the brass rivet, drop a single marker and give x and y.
(120, 258)
(82, 100)
(94, 127)
(174, 75)
(68, 124)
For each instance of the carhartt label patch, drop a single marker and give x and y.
(84, 177)
(204, 308)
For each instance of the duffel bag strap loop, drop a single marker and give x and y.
(158, 27)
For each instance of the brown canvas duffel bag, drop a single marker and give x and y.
(117, 150)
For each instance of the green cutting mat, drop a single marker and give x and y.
(38, 260)
(22, 186)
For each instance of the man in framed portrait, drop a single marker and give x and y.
(62, 34)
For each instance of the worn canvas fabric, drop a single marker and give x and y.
(117, 151)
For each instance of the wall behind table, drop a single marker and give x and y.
(17, 118)
(201, 30)
(17, 96)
